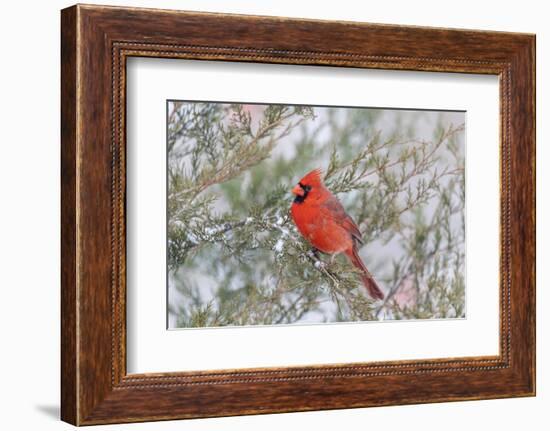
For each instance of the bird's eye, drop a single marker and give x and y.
(304, 187)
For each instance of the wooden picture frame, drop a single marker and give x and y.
(95, 43)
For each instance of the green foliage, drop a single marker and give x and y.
(235, 256)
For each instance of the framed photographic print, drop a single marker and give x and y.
(267, 215)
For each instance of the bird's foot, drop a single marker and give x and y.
(316, 253)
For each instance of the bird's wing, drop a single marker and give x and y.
(338, 213)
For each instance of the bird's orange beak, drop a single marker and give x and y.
(297, 190)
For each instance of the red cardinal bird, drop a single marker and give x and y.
(322, 220)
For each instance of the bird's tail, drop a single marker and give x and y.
(366, 277)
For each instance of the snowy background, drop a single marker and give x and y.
(234, 256)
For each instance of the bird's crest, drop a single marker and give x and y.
(312, 178)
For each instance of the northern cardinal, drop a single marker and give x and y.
(322, 220)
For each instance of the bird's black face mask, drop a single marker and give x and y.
(300, 198)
